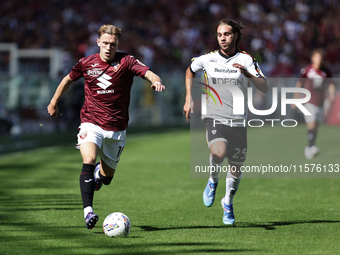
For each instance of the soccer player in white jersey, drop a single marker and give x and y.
(228, 71)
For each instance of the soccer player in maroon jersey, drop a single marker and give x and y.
(315, 77)
(104, 116)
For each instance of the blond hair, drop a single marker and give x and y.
(111, 30)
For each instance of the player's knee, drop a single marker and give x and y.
(218, 151)
(311, 126)
(218, 157)
(89, 160)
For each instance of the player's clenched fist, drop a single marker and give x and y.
(52, 109)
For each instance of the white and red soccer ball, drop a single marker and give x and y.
(117, 224)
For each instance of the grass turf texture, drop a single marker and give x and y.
(41, 210)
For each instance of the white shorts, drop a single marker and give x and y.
(317, 113)
(111, 143)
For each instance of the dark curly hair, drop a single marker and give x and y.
(236, 27)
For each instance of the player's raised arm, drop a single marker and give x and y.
(63, 86)
(189, 104)
(156, 82)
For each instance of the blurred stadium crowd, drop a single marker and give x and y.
(167, 34)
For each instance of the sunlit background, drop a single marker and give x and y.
(40, 41)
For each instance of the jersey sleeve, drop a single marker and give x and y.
(77, 70)
(253, 68)
(137, 67)
(196, 65)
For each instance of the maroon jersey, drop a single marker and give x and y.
(107, 89)
(315, 81)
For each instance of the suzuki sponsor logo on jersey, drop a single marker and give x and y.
(104, 81)
(109, 91)
(222, 70)
(95, 72)
(316, 78)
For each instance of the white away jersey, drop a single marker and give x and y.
(226, 87)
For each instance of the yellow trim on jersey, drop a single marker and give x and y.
(206, 81)
(205, 54)
(255, 62)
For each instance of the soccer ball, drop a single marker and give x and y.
(117, 224)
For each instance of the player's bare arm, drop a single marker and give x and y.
(330, 99)
(188, 105)
(156, 82)
(62, 88)
(331, 92)
(296, 95)
(259, 82)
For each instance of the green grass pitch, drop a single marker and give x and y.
(41, 210)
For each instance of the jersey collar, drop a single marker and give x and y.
(225, 56)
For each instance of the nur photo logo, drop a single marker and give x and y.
(208, 92)
(242, 102)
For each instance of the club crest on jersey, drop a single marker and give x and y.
(213, 132)
(115, 66)
(95, 72)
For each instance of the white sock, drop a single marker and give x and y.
(87, 210)
(213, 174)
(232, 183)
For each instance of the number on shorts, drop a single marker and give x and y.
(120, 150)
(238, 152)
